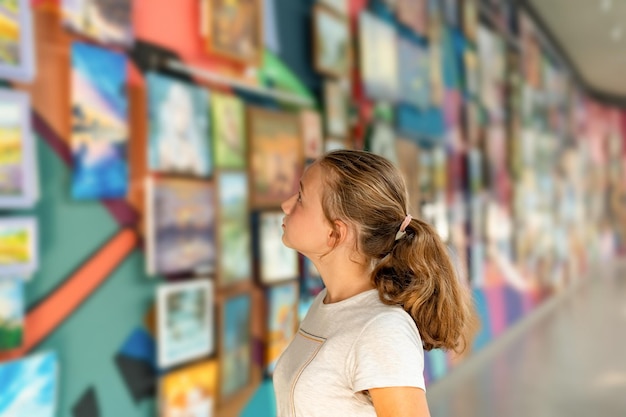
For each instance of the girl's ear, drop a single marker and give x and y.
(337, 235)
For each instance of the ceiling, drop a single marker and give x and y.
(590, 36)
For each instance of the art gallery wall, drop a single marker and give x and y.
(91, 300)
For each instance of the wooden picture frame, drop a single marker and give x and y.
(336, 102)
(235, 30)
(276, 156)
(332, 54)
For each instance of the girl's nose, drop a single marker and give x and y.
(288, 204)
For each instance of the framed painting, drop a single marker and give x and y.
(282, 321)
(30, 385)
(180, 226)
(336, 108)
(19, 243)
(235, 29)
(12, 303)
(234, 239)
(17, 54)
(19, 185)
(235, 345)
(382, 141)
(414, 15)
(277, 262)
(189, 391)
(100, 131)
(276, 156)
(331, 42)
(107, 21)
(178, 139)
(378, 57)
(414, 73)
(185, 321)
(312, 134)
(229, 131)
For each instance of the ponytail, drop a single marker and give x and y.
(419, 275)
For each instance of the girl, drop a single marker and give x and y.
(391, 292)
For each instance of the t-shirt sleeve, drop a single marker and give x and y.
(388, 353)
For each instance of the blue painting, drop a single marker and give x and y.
(99, 123)
(29, 386)
(179, 135)
(11, 313)
(236, 357)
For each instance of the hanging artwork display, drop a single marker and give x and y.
(107, 21)
(229, 131)
(17, 50)
(277, 262)
(19, 185)
(99, 123)
(282, 321)
(179, 140)
(331, 42)
(19, 242)
(185, 321)
(180, 226)
(277, 159)
(11, 313)
(189, 391)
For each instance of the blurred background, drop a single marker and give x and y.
(146, 146)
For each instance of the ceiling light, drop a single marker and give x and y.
(616, 33)
(605, 5)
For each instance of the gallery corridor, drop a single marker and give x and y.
(568, 359)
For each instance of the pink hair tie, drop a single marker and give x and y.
(405, 223)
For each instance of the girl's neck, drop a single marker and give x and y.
(343, 278)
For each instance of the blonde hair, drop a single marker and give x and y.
(415, 271)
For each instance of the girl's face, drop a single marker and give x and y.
(305, 228)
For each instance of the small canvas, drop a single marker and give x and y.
(235, 29)
(282, 321)
(235, 254)
(180, 226)
(312, 134)
(190, 391)
(18, 246)
(235, 358)
(336, 109)
(29, 386)
(18, 168)
(414, 73)
(100, 128)
(229, 131)
(382, 141)
(11, 313)
(179, 141)
(107, 21)
(277, 156)
(17, 54)
(277, 262)
(185, 321)
(331, 41)
(378, 57)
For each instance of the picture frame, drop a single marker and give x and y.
(281, 321)
(331, 42)
(336, 102)
(190, 390)
(378, 57)
(235, 345)
(30, 385)
(235, 30)
(100, 128)
(414, 73)
(106, 21)
(19, 245)
(179, 140)
(12, 308)
(312, 134)
(276, 262)
(229, 131)
(276, 156)
(234, 237)
(180, 226)
(382, 141)
(17, 49)
(19, 179)
(185, 321)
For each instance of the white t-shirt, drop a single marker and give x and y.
(343, 349)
